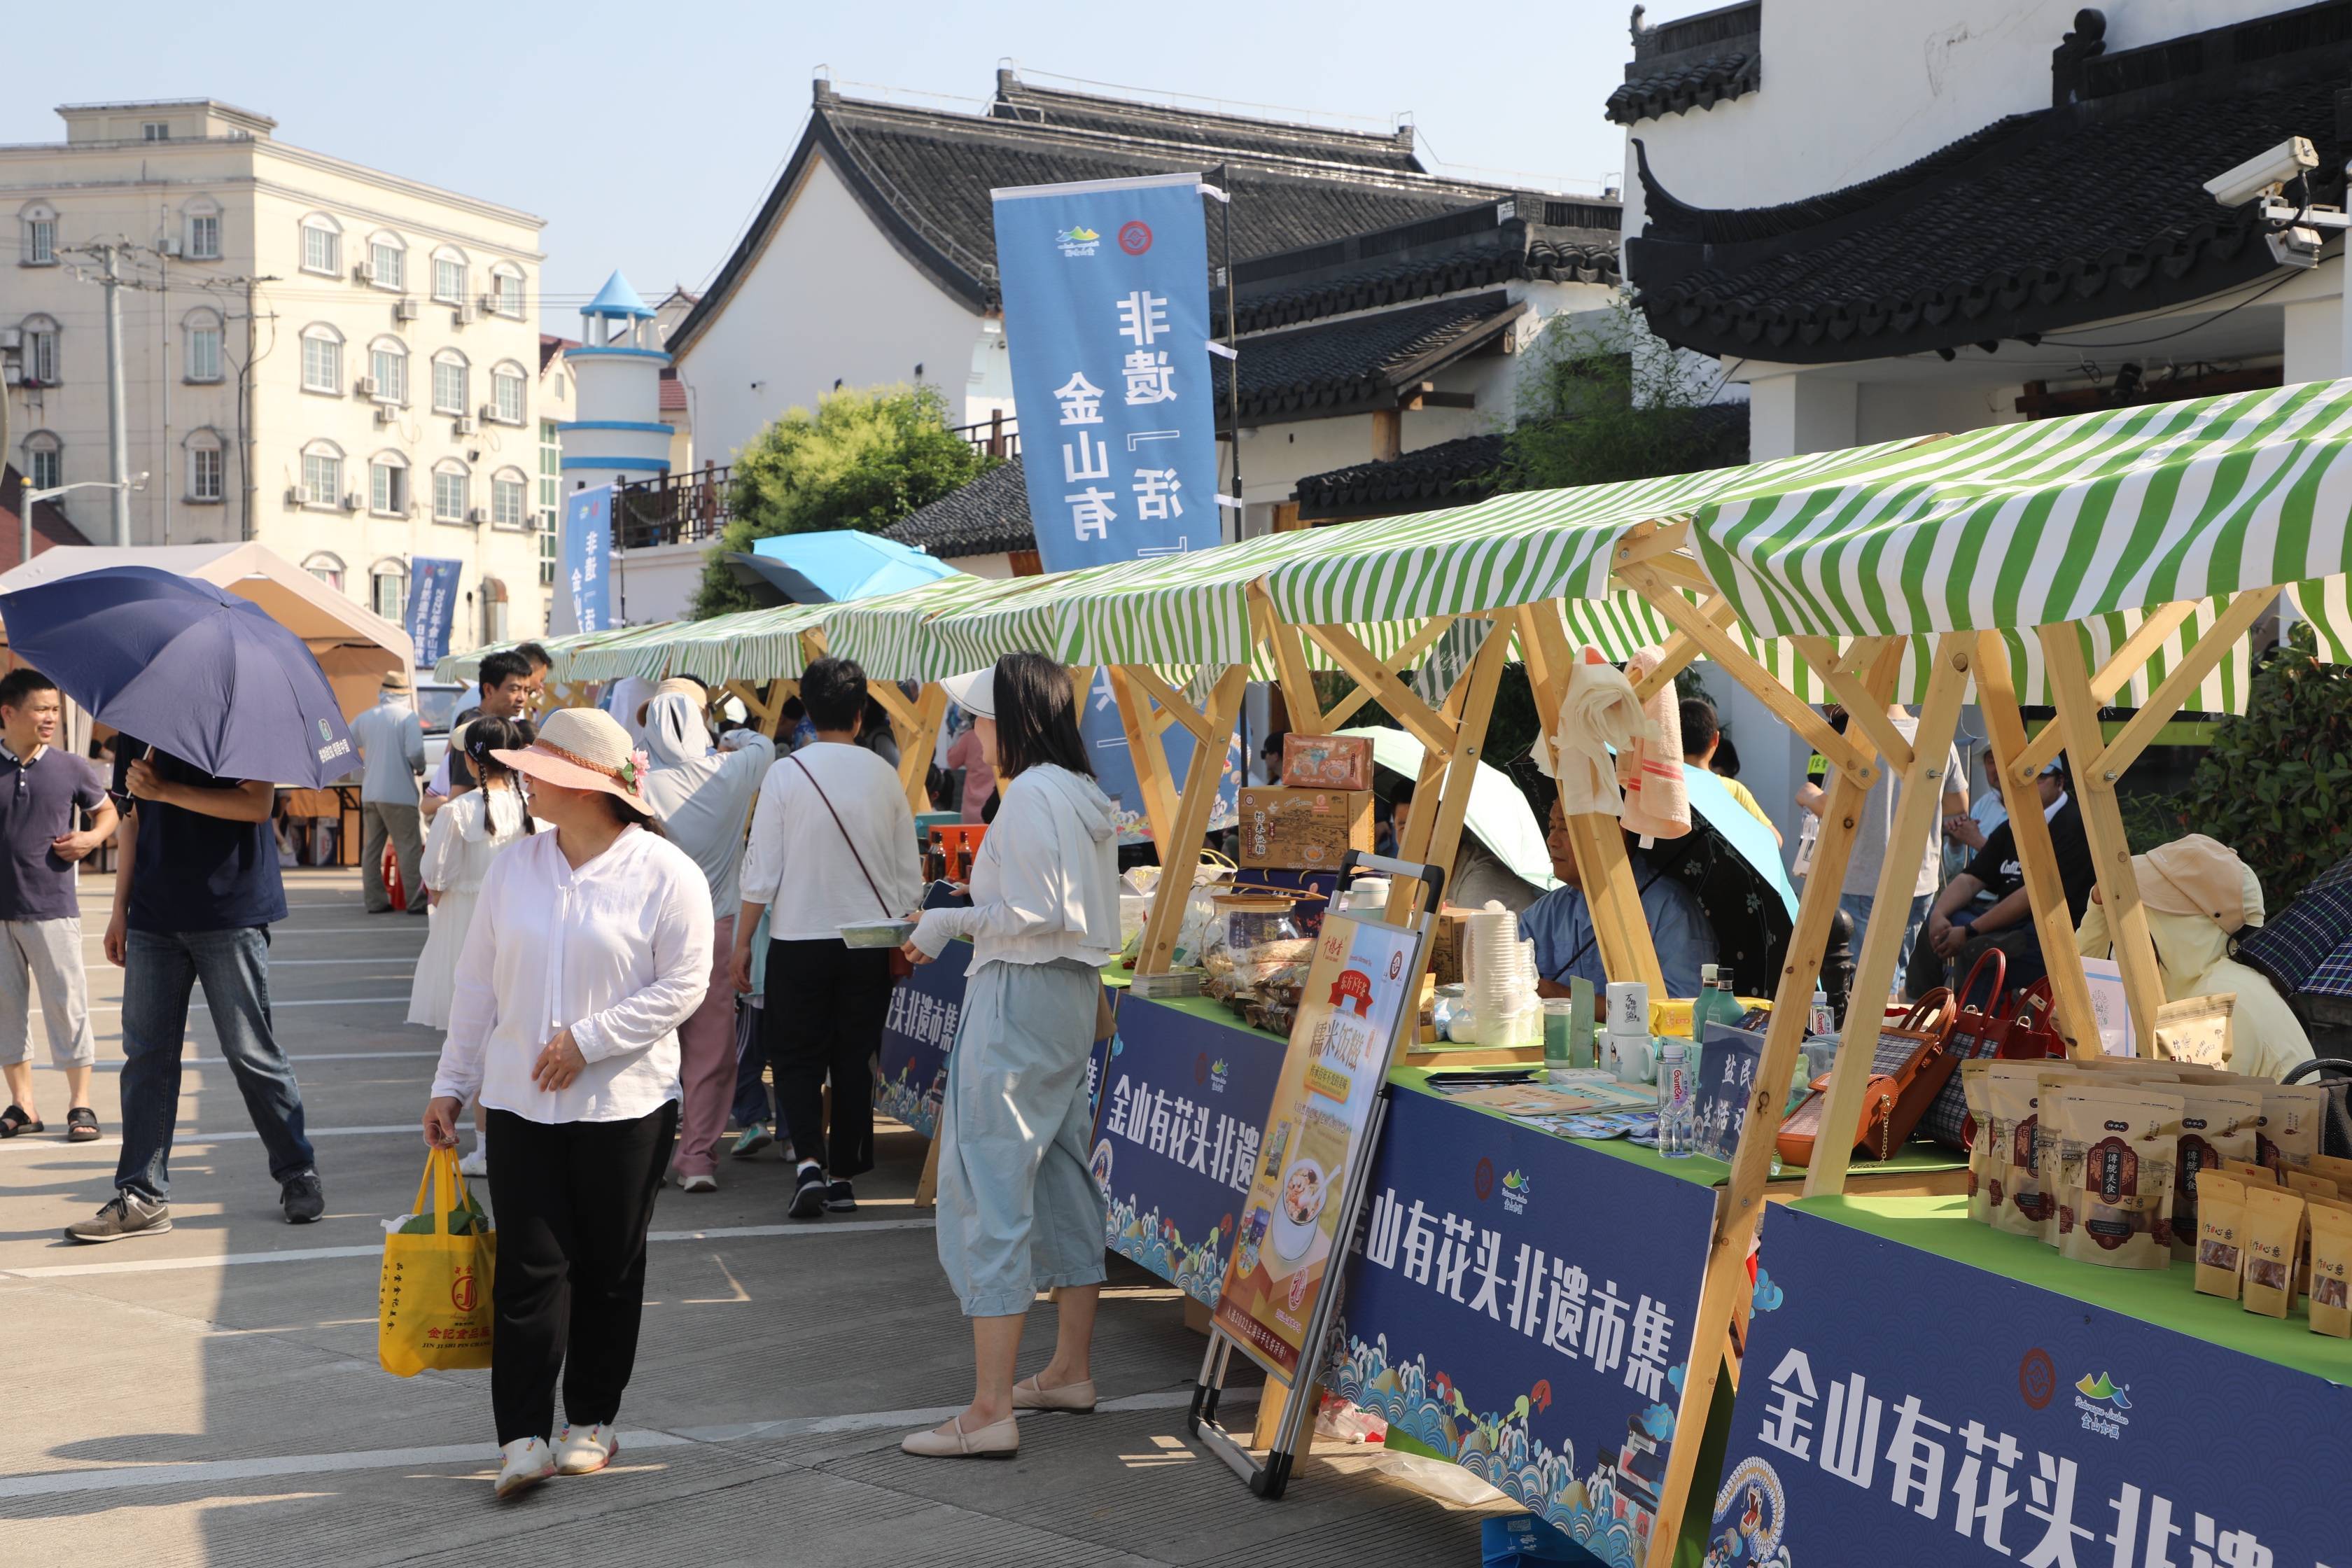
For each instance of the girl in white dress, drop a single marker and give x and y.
(466, 837)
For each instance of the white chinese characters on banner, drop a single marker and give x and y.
(1219, 1146)
(1142, 319)
(923, 1018)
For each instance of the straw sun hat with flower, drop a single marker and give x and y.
(584, 748)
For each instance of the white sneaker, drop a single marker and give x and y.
(475, 1164)
(527, 1463)
(583, 1450)
(697, 1184)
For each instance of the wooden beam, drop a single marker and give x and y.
(1473, 698)
(2103, 824)
(1415, 646)
(2168, 699)
(1680, 652)
(1920, 801)
(1290, 666)
(2149, 636)
(2053, 917)
(1179, 845)
(1742, 1203)
(1650, 542)
(1547, 677)
(1725, 650)
(1621, 928)
(1151, 761)
(1859, 706)
(916, 748)
(1402, 704)
(2040, 752)
(1170, 699)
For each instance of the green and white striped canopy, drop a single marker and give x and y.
(751, 645)
(563, 650)
(2046, 523)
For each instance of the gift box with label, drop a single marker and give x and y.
(1303, 829)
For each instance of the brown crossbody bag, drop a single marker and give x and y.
(900, 966)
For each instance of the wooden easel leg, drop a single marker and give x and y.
(926, 1187)
(1921, 800)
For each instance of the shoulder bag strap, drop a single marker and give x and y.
(888, 912)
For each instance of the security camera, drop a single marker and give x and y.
(2265, 173)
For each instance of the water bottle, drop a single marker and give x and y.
(1678, 1110)
(1818, 1021)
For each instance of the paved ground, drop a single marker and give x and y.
(212, 1396)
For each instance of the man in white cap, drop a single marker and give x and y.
(391, 739)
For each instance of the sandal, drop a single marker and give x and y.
(81, 1125)
(14, 1121)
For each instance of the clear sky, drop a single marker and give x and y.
(646, 136)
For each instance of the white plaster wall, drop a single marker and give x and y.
(655, 584)
(829, 299)
(1851, 91)
(994, 568)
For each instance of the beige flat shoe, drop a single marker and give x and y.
(1078, 1398)
(997, 1440)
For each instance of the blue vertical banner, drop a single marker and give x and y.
(432, 588)
(1106, 289)
(587, 550)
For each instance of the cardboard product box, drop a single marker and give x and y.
(1446, 944)
(1327, 762)
(1303, 829)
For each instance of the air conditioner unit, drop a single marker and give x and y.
(385, 413)
(366, 387)
(12, 337)
(11, 375)
(462, 426)
(463, 316)
(487, 304)
(490, 413)
(363, 271)
(172, 245)
(293, 495)
(479, 515)
(403, 309)
(351, 501)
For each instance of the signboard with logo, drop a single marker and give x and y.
(1523, 1306)
(1182, 1119)
(587, 558)
(432, 590)
(1945, 1415)
(1106, 287)
(910, 1071)
(1361, 981)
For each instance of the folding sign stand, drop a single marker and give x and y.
(1292, 1432)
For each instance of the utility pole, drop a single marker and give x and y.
(118, 438)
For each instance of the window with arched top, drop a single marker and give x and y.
(206, 466)
(507, 394)
(506, 290)
(450, 373)
(452, 490)
(510, 499)
(200, 232)
(388, 369)
(200, 345)
(322, 245)
(322, 474)
(45, 460)
(327, 569)
(322, 359)
(36, 235)
(388, 484)
(449, 274)
(38, 350)
(387, 260)
(388, 588)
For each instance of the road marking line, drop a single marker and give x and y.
(128, 1478)
(324, 1254)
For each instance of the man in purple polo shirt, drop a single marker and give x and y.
(43, 792)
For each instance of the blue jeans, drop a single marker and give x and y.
(233, 967)
(1858, 906)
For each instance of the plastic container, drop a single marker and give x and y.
(1369, 894)
(1559, 1031)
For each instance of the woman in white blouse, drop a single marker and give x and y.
(590, 946)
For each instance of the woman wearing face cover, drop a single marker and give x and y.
(589, 947)
(1018, 1210)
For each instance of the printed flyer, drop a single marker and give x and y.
(1357, 991)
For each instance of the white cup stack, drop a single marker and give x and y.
(1502, 988)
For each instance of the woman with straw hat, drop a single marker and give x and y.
(589, 946)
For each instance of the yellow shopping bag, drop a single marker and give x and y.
(433, 1301)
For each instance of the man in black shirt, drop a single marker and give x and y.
(193, 901)
(1959, 934)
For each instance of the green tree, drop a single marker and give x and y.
(863, 460)
(1601, 400)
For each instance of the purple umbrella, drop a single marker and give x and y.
(186, 668)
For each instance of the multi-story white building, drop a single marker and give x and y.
(340, 363)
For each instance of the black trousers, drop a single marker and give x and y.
(573, 1201)
(823, 1018)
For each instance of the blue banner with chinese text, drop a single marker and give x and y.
(910, 1069)
(432, 589)
(587, 558)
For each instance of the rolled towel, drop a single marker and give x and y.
(1657, 800)
(1599, 715)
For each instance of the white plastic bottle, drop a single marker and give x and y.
(1677, 1108)
(1818, 1021)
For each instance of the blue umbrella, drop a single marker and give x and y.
(841, 564)
(186, 668)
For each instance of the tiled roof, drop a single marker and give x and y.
(50, 525)
(673, 391)
(1359, 362)
(1451, 473)
(550, 345)
(1692, 62)
(2037, 223)
(924, 176)
(986, 517)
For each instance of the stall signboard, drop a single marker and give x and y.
(1524, 1306)
(1176, 1140)
(432, 588)
(910, 1071)
(587, 550)
(1362, 979)
(1945, 1415)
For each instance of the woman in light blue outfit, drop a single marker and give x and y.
(1018, 1210)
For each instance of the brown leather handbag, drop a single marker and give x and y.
(1907, 1071)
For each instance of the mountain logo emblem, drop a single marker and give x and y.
(2103, 1387)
